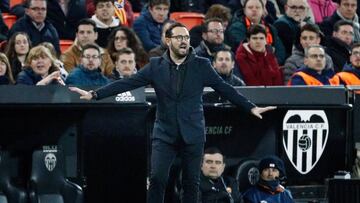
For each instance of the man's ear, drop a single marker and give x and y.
(167, 41)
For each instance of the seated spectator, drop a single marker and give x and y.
(269, 189)
(254, 11)
(350, 75)
(4, 6)
(339, 44)
(212, 39)
(34, 24)
(40, 68)
(346, 11)
(224, 64)
(6, 77)
(123, 37)
(160, 49)
(149, 24)
(88, 73)
(314, 72)
(197, 6)
(288, 26)
(85, 34)
(310, 34)
(57, 62)
(322, 9)
(214, 186)
(258, 64)
(125, 64)
(64, 16)
(215, 11)
(17, 49)
(3, 29)
(105, 20)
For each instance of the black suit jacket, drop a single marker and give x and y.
(183, 113)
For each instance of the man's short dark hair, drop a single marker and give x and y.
(100, 1)
(355, 45)
(169, 33)
(219, 11)
(153, 3)
(86, 21)
(213, 150)
(311, 27)
(90, 46)
(340, 23)
(261, 2)
(224, 50)
(122, 51)
(254, 30)
(205, 25)
(28, 3)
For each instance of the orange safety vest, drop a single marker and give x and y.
(348, 78)
(269, 37)
(311, 81)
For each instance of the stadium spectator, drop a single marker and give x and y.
(310, 34)
(322, 9)
(214, 186)
(258, 64)
(224, 64)
(85, 34)
(105, 20)
(350, 75)
(125, 64)
(57, 62)
(122, 37)
(34, 24)
(4, 6)
(254, 11)
(64, 15)
(160, 49)
(149, 24)
(40, 68)
(288, 26)
(338, 46)
(6, 77)
(215, 11)
(269, 189)
(346, 11)
(197, 6)
(88, 72)
(212, 39)
(314, 72)
(17, 49)
(3, 28)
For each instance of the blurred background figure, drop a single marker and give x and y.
(6, 77)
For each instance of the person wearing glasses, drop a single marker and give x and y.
(34, 24)
(288, 25)
(88, 72)
(178, 77)
(314, 72)
(212, 39)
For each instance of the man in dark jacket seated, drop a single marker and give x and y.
(214, 187)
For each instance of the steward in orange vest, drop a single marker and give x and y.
(349, 75)
(308, 76)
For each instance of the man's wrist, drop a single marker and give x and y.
(94, 95)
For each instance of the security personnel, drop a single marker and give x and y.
(350, 75)
(314, 72)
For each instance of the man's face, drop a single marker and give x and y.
(213, 165)
(269, 174)
(37, 11)
(345, 34)
(159, 12)
(355, 57)
(347, 8)
(315, 59)
(223, 62)
(126, 64)
(86, 34)
(91, 59)
(254, 10)
(179, 42)
(257, 42)
(308, 38)
(104, 11)
(214, 34)
(296, 9)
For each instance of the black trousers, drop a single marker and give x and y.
(162, 156)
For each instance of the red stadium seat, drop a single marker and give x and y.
(65, 44)
(189, 19)
(9, 19)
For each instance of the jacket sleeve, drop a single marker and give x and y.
(279, 47)
(289, 68)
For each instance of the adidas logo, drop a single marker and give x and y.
(125, 97)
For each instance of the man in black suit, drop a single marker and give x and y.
(178, 78)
